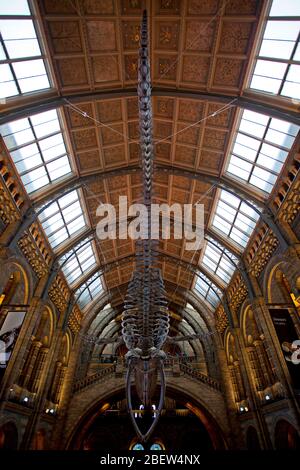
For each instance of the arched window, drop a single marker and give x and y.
(138, 446)
(156, 446)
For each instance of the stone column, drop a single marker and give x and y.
(30, 364)
(55, 381)
(65, 397)
(230, 397)
(234, 383)
(239, 380)
(37, 371)
(256, 368)
(60, 382)
(264, 362)
(254, 401)
(40, 383)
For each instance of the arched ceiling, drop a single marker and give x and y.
(184, 321)
(201, 54)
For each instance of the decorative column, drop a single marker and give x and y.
(65, 396)
(37, 371)
(264, 361)
(59, 385)
(233, 378)
(256, 368)
(39, 383)
(250, 388)
(30, 363)
(239, 381)
(229, 385)
(55, 381)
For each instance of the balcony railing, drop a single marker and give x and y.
(185, 369)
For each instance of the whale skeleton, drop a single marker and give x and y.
(145, 319)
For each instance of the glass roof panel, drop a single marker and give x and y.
(80, 262)
(208, 290)
(278, 60)
(57, 221)
(260, 149)
(22, 63)
(218, 261)
(68, 199)
(236, 223)
(297, 53)
(19, 49)
(89, 291)
(15, 7)
(37, 147)
(2, 54)
(286, 8)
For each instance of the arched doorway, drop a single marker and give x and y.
(183, 426)
(8, 436)
(252, 439)
(286, 436)
(178, 428)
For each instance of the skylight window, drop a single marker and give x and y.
(260, 149)
(216, 260)
(15, 7)
(277, 68)
(37, 148)
(89, 291)
(80, 262)
(208, 290)
(63, 219)
(22, 65)
(234, 218)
